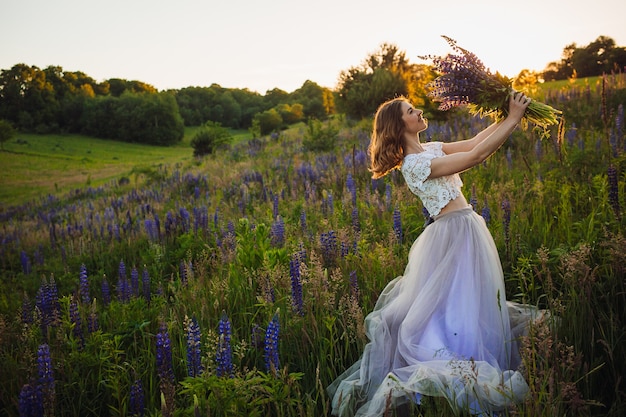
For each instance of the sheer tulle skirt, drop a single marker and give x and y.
(441, 329)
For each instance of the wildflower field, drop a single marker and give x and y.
(237, 284)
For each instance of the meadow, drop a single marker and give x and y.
(147, 282)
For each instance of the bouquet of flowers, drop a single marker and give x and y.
(464, 80)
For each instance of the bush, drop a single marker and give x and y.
(207, 140)
(320, 136)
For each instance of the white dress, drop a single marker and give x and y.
(443, 327)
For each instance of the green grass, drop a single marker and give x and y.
(37, 165)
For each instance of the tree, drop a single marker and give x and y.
(207, 140)
(268, 121)
(6, 132)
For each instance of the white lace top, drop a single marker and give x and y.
(435, 193)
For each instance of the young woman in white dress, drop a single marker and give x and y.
(443, 327)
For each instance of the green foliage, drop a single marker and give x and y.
(6, 132)
(268, 121)
(210, 138)
(320, 136)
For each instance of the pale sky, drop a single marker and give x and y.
(266, 44)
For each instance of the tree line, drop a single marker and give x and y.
(53, 100)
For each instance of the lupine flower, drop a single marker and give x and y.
(137, 406)
(26, 268)
(77, 330)
(351, 186)
(397, 224)
(506, 218)
(486, 213)
(328, 242)
(194, 353)
(224, 355)
(30, 402)
(303, 220)
(614, 190)
(277, 232)
(84, 285)
(164, 356)
(275, 206)
(296, 285)
(134, 281)
(354, 286)
(46, 378)
(106, 291)
(145, 284)
(465, 80)
(272, 333)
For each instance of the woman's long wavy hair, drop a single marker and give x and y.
(386, 148)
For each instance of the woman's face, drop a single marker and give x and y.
(413, 120)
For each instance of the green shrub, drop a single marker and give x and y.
(208, 139)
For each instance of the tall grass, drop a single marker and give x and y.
(267, 230)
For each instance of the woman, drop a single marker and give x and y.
(443, 328)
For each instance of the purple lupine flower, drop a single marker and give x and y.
(614, 190)
(77, 329)
(303, 220)
(183, 272)
(46, 378)
(619, 126)
(277, 232)
(134, 281)
(486, 213)
(328, 242)
(164, 356)
(351, 186)
(26, 266)
(145, 284)
(272, 333)
(275, 206)
(106, 291)
(30, 402)
(388, 195)
(354, 286)
(186, 222)
(296, 285)
(506, 218)
(84, 285)
(356, 223)
(194, 352)
(224, 354)
(397, 224)
(137, 407)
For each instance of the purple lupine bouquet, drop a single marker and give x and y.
(465, 80)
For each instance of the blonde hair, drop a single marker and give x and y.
(386, 148)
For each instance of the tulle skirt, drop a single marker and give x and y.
(441, 329)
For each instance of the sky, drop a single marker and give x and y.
(265, 44)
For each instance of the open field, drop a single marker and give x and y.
(237, 284)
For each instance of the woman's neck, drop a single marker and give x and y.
(412, 145)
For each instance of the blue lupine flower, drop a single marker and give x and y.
(106, 291)
(388, 195)
(351, 186)
(277, 232)
(272, 333)
(296, 285)
(397, 224)
(134, 281)
(506, 218)
(224, 354)
(328, 242)
(145, 284)
(30, 402)
(84, 285)
(486, 213)
(46, 378)
(303, 220)
(137, 406)
(26, 267)
(164, 356)
(194, 352)
(354, 286)
(77, 330)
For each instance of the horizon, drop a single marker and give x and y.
(281, 45)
